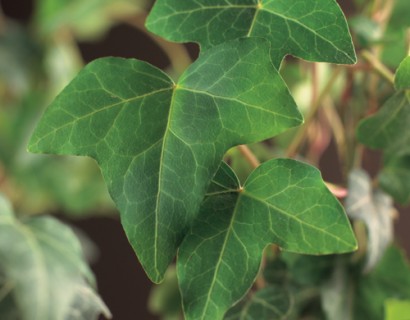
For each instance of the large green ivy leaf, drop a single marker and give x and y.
(159, 143)
(388, 130)
(312, 30)
(43, 268)
(283, 202)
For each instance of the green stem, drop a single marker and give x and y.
(177, 53)
(378, 66)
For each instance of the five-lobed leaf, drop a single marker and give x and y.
(283, 202)
(158, 143)
(312, 30)
(42, 262)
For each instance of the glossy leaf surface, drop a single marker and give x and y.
(283, 202)
(158, 143)
(41, 260)
(312, 30)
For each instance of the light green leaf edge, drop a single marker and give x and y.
(311, 30)
(283, 202)
(44, 266)
(159, 143)
(402, 79)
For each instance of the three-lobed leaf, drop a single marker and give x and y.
(42, 263)
(159, 143)
(283, 202)
(312, 30)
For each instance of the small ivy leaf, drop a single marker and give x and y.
(312, 30)
(220, 257)
(402, 79)
(42, 262)
(388, 130)
(375, 209)
(270, 303)
(158, 143)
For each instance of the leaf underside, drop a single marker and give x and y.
(312, 30)
(159, 143)
(283, 202)
(42, 262)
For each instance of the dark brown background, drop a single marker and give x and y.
(122, 283)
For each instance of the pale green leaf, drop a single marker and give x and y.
(402, 80)
(87, 19)
(283, 202)
(270, 303)
(312, 30)
(158, 143)
(397, 309)
(42, 265)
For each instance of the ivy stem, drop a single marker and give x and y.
(302, 132)
(378, 66)
(177, 53)
(249, 156)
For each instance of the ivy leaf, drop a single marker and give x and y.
(374, 208)
(402, 79)
(38, 258)
(270, 303)
(312, 30)
(220, 257)
(158, 143)
(388, 130)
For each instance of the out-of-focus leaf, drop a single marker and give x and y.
(375, 209)
(397, 309)
(390, 279)
(395, 44)
(270, 303)
(165, 298)
(88, 19)
(335, 299)
(367, 31)
(388, 130)
(41, 260)
(402, 79)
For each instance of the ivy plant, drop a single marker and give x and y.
(256, 249)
